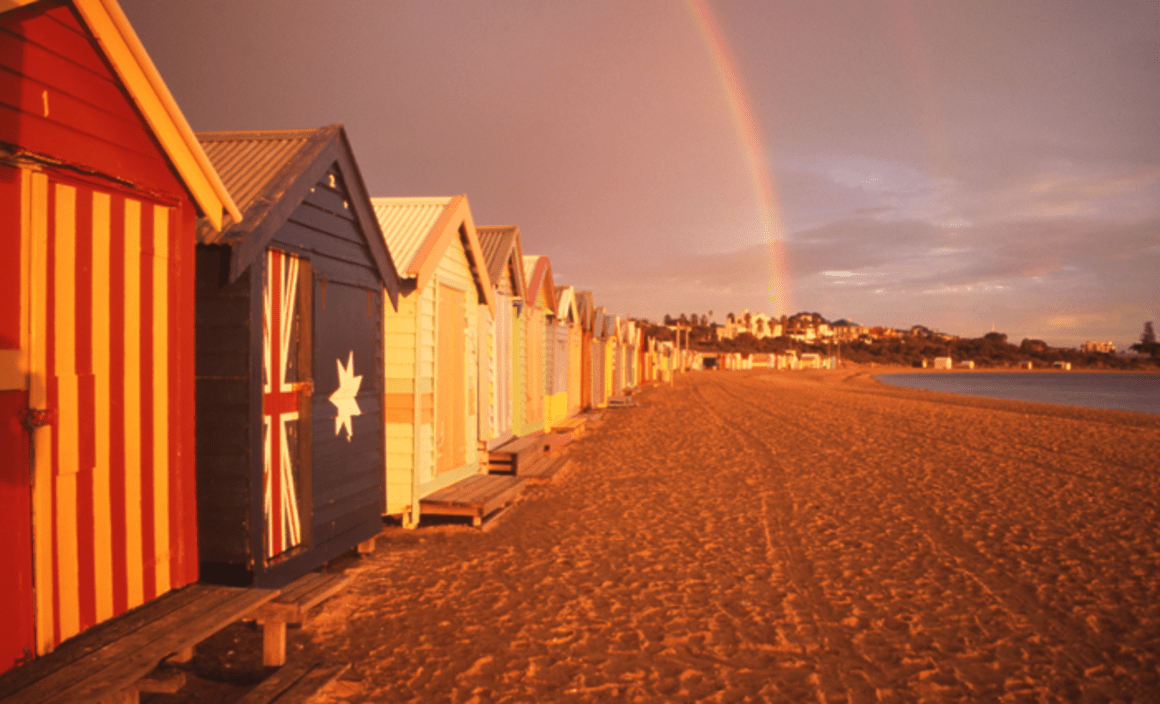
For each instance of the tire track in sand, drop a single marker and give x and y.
(831, 644)
(1017, 598)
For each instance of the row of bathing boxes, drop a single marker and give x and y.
(221, 359)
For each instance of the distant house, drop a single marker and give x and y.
(1026, 364)
(943, 363)
(1103, 346)
(810, 360)
(967, 364)
(1065, 366)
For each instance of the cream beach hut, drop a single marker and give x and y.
(430, 368)
(500, 368)
(539, 314)
(568, 318)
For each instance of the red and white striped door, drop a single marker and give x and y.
(98, 305)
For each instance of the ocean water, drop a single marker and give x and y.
(1122, 392)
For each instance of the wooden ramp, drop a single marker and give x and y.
(475, 497)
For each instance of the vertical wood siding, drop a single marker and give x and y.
(113, 488)
(410, 367)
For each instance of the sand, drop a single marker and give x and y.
(789, 536)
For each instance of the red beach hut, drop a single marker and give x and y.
(101, 183)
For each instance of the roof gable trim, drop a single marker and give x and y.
(127, 55)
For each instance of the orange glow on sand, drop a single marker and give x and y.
(754, 149)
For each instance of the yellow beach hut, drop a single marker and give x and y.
(430, 342)
(498, 367)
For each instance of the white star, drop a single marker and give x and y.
(344, 398)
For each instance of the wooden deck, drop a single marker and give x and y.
(112, 662)
(474, 497)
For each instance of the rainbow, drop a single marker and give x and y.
(763, 183)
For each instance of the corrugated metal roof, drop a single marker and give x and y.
(406, 224)
(248, 161)
(496, 244)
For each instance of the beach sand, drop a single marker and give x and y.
(782, 536)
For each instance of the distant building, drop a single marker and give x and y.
(1104, 346)
(1026, 364)
(1065, 366)
(943, 362)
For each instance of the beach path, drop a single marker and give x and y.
(784, 537)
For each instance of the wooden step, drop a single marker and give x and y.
(476, 497)
(544, 471)
(294, 683)
(291, 606)
(507, 458)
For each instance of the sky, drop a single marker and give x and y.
(967, 166)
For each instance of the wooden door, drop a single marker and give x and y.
(17, 636)
(450, 381)
(100, 301)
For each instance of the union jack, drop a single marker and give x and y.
(279, 403)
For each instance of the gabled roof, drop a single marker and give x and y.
(539, 270)
(566, 304)
(270, 172)
(501, 245)
(586, 306)
(135, 69)
(419, 230)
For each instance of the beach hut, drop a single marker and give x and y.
(559, 358)
(498, 372)
(101, 182)
(430, 362)
(540, 337)
(585, 309)
(568, 316)
(289, 343)
(943, 363)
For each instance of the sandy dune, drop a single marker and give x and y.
(784, 537)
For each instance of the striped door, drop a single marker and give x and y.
(102, 360)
